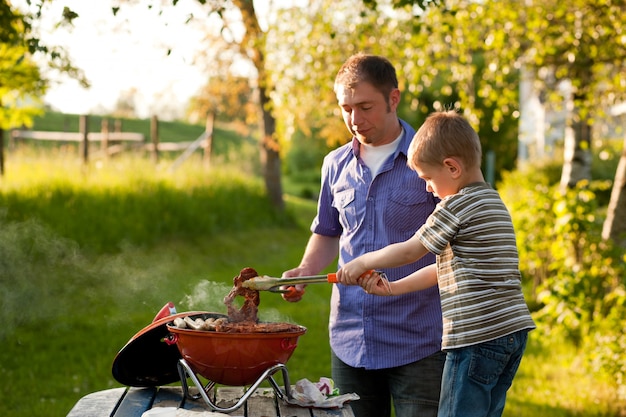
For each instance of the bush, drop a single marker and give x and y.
(577, 279)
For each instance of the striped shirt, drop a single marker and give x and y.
(367, 213)
(477, 266)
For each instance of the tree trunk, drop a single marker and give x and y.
(271, 154)
(1, 152)
(208, 143)
(252, 45)
(577, 157)
(615, 224)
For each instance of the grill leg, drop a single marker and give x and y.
(185, 372)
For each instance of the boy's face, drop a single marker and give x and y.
(367, 114)
(439, 178)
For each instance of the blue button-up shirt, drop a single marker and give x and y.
(370, 331)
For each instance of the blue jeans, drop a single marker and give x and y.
(414, 388)
(476, 378)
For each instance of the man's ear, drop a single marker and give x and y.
(394, 99)
(454, 167)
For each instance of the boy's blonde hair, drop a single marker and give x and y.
(443, 135)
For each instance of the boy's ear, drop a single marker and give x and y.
(453, 166)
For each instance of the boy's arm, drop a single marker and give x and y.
(418, 280)
(398, 254)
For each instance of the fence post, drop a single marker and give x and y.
(490, 168)
(1, 152)
(208, 142)
(83, 128)
(104, 129)
(154, 136)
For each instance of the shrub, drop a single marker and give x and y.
(577, 278)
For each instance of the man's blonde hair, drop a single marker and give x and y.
(445, 134)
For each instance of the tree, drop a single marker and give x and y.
(22, 84)
(21, 87)
(278, 80)
(252, 45)
(229, 98)
(20, 81)
(430, 71)
(249, 43)
(581, 41)
(615, 224)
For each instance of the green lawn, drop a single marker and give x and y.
(89, 255)
(50, 363)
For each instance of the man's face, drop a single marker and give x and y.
(367, 114)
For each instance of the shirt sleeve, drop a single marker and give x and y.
(326, 221)
(439, 230)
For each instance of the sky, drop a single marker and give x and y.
(126, 54)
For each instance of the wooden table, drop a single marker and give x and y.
(133, 402)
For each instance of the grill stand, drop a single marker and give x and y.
(185, 371)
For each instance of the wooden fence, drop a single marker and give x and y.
(117, 141)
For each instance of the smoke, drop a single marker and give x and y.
(31, 285)
(45, 278)
(207, 296)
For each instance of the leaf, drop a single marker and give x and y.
(69, 15)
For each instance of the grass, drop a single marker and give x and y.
(69, 304)
(129, 200)
(553, 382)
(62, 346)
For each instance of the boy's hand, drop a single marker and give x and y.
(376, 283)
(351, 273)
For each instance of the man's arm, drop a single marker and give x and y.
(320, 251)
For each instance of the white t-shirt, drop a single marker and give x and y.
(375, 156)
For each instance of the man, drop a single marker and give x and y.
(383, 348)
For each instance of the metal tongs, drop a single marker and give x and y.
(273, 284)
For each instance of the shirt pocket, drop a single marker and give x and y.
(346, 206)
(408, 209)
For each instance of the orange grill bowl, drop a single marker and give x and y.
(235, 359)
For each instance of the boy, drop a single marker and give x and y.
(485, 318)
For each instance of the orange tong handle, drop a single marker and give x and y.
(332, 278)
(292, 292)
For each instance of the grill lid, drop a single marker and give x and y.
(146, 360)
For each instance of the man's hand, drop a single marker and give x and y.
(294, 292)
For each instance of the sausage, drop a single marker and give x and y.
(195, 325)
(180, 323)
